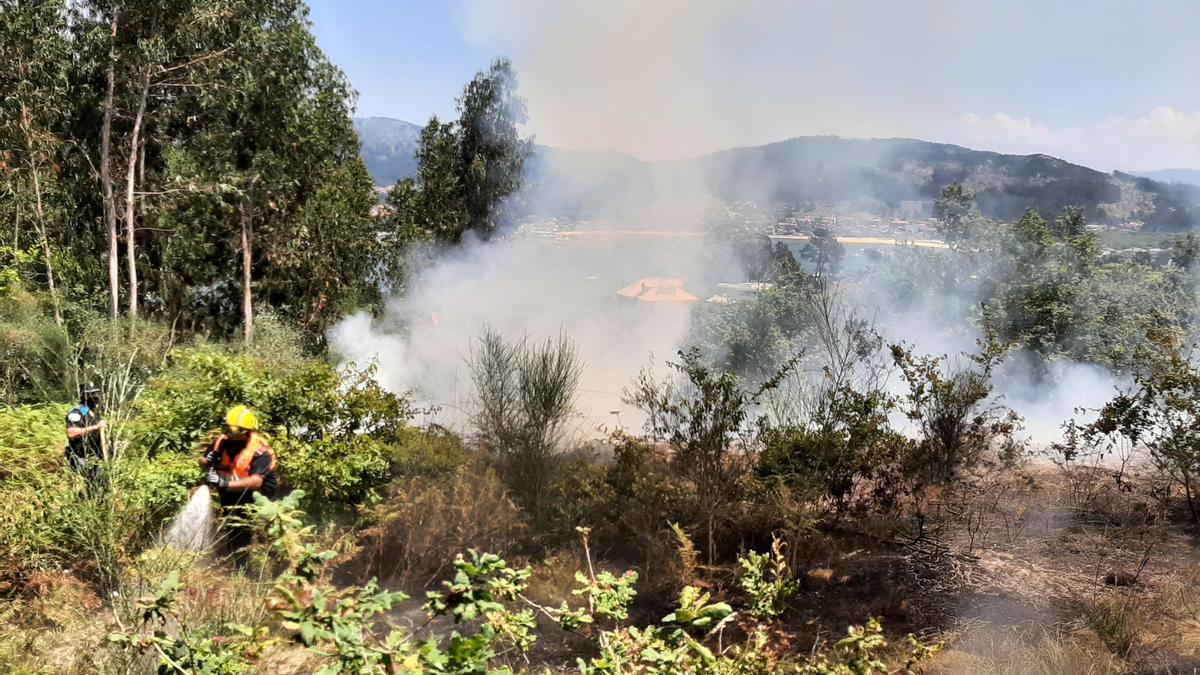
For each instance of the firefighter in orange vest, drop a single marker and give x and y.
(240, 462)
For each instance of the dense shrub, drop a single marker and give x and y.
(1161, 413)
(345, 470)
(332, 428)
(495, 620)
(432, 452)
(155, 488)
(705, 416)
(34, 350)
(49, 520)
(32, 488)
(957, 422)
(579, 495)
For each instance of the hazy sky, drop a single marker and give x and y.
(1108, 83)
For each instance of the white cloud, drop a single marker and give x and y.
(1163, 138)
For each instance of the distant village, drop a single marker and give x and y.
(911, 221)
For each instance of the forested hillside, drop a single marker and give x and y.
(873, 175)
(389, 148)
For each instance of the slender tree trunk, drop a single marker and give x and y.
(141, 179)
(247, 300)
(106, 183)
(39, 210)
(45, 242)
(130, 198)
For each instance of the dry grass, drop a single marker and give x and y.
(1017, 652)
(1116, 621)
(59, 628)
(1068, 576)
(422, 525)
(1013, 575)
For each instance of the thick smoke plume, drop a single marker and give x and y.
(522, 286)
(528, 285)
(538, 286)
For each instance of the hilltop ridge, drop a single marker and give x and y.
(889, 175)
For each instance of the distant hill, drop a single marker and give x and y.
(1187, 176)
(874, 175)
(388, 147)
(884, 173)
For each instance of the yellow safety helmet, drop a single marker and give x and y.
(241, 417)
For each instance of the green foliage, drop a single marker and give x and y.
(1161, 413)
(155, 488)
(336, 622)
(183, 121)
(431, 452)
(347, 627)
(49, 520)
(31, 494)
(755, 337)
(340, 470)
(343, 623)
(468, 168)
(334, 427)
(958, 215)
(482, 581)
(607, 595)
(856, 654)
(183, 649)
(705, 419)
(950, 407)
(34, 350)
(1042, 286)
(824, 253)
(767, 581)
(835, 433)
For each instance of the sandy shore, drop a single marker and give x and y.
(677, 234)
(600, 234)
(869, 241)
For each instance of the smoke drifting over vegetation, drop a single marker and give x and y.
(763, 400)
(520, 286)
(525, 285)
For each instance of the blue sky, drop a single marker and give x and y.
(1112, 84)
(408, 60)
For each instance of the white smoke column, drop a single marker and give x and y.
(522, 286)
(1066, 390)
(636, 57)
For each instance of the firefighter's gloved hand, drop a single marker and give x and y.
(210, 458)
(215, 481)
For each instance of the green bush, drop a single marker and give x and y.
(156, 488)
(346, 470)
(34, 350)
(433, 452)
(579, 496)
(333, 430)
(308, 399)
(31, 436)
(33, 489)
(186, 402)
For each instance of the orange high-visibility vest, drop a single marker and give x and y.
(239, 466)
